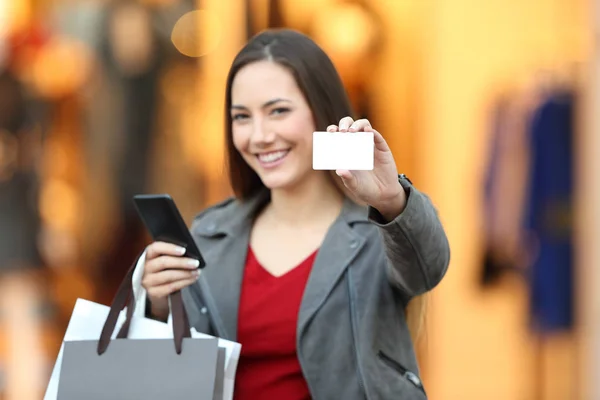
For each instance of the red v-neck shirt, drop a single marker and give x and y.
(268, 367)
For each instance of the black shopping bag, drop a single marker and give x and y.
(145, 369)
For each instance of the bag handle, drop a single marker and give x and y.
(124, 296)
(181, 324)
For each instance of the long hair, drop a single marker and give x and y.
(322, 87)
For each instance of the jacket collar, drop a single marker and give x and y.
(242, 214)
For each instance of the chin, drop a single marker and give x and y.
(286, 181)
(277, 180)
(277, 183)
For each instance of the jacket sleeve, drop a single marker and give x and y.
(415, 243)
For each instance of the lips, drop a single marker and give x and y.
(272, 158)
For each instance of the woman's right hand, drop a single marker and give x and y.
(165, 272)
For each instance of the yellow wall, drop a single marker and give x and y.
(478, 346)
(588, 219)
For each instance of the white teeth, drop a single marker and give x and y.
(272, 157)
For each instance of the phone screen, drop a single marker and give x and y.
(165, 223)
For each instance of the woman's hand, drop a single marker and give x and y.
(380, 187)
(165, 272)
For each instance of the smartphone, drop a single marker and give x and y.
(165, 223)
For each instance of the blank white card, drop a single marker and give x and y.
(343, 150)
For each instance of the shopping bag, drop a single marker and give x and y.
(147, 369)
(88, 318)
(146, 359)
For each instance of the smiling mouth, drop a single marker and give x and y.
(272, 157)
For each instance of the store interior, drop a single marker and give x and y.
(104, 99)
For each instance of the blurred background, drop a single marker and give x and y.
(490, 107)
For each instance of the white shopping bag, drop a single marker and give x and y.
(88, 319)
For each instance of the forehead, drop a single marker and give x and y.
(262, 81)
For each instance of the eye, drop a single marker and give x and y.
(239, 117)
(280, 110)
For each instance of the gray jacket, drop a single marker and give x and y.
(352, 339)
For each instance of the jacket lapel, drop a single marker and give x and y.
(221, 283)
(340, 247)
(224, 244)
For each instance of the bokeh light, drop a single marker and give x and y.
(60, 67)
(59, 205)
(197, 33)
(344, 30)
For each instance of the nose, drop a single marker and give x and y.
(262, 135)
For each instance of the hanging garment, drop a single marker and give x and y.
(504, 188)
(493, 264)
(548, 214)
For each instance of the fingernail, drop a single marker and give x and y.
(181, 250)
(196, 273)
(193, 263)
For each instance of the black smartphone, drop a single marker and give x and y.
(165, 223)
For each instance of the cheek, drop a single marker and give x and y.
(240, 138)
(304, 136)
(303, 140)
(300, 130)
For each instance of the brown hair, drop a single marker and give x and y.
(325, 94)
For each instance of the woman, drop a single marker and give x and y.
(313, 285)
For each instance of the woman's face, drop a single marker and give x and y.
(272, 124)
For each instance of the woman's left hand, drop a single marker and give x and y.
(380, 187)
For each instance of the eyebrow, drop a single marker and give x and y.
(267, 104)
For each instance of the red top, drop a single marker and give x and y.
(268, 368)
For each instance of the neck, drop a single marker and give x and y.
(310, 201)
